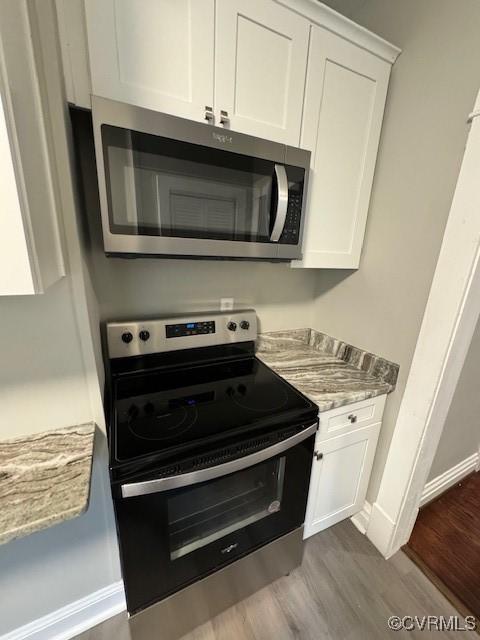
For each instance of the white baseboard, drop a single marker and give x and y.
(380, 526)
(444, 481)
(74, 618)
(362, 518)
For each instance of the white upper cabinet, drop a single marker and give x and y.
(16, 274)
(156, 54)
(168, 55)
(344, 102)
(260, 60)
(30, 247)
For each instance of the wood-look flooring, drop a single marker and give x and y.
(446, 543)
(344, 590)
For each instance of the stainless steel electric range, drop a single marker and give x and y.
(210, 457)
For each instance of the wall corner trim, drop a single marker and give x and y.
(450, 477)
(451, 315)
(380, 530)
(75, 618)
(362, 518)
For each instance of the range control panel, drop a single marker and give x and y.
(189, 329)
(158, 335)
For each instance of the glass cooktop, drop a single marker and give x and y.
(173, 410)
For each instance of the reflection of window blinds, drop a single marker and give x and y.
(192, 203)
(122, 180)
(130, 195)
(260, 203)
(202, 213)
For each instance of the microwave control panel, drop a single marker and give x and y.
(291, 230)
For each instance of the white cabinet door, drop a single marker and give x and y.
(16, 274)
(72, 32)
(344, 102)
(340, 478)
(260, 61)
(31, 257)
(156, 54)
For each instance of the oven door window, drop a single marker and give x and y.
(209, 512)
(162, 187)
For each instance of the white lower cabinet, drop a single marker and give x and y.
(341, 469)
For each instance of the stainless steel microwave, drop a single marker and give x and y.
(173, 187)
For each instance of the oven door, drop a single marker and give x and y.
(172, 536)
(169, 186)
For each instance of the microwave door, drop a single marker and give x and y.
(168, 187)
(280, 214)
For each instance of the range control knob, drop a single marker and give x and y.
(144, 335)
(127, 337)
(244, 324)
(232, 326)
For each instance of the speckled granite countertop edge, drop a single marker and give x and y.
(330, 372)
(44, 479)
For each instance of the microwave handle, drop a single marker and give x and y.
(210, 473)
(282, 203)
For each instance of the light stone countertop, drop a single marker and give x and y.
(330, 372)
(44, 479)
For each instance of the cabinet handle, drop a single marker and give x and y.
(352, 417)
(209, 115)
(224, 119)
(318, 455)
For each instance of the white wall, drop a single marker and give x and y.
(57, 566)
(461, 433)
(282, 297)
(43, 385)
(42, 377)
(432, 89)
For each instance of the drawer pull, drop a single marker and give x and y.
(318, 455)
(352, 417)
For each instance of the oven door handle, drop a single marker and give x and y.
(202, 475)
(282, 203)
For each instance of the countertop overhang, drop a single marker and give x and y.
(330, 372)
(44, 479)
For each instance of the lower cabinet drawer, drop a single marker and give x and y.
(348, 418)
(340, 474)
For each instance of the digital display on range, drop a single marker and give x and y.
(189, 329)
